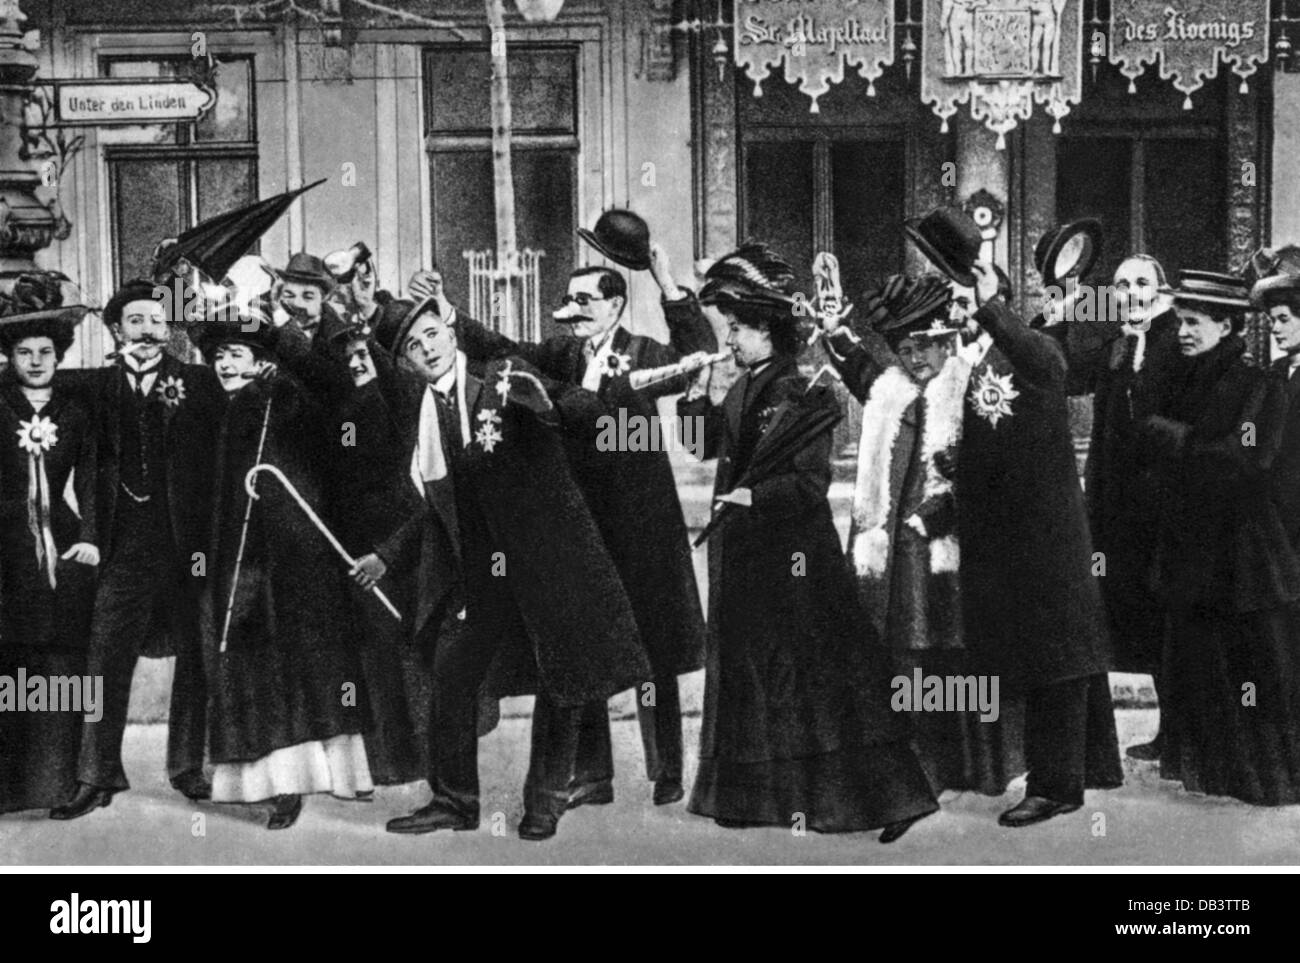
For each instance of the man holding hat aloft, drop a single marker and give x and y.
(632, 491)
(1032, 610)
(1226, 569)
(157, 421)
(537, 613)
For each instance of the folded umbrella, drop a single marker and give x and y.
(214, 245)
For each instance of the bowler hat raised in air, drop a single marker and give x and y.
(304, 268)
(621, 236)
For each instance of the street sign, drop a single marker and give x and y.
(117, 102)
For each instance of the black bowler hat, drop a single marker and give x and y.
(1069, 251)
(395, 320)
(621, 236)
(305, 268)
(950, 239)
(1212, 288)
(136, 289)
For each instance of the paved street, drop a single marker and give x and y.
(1147, 822)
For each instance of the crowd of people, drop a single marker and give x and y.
(364, 519)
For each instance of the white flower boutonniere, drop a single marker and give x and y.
(172, 391)
(489, 431)
(617, 364)
(38, 435)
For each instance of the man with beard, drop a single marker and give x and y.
(153, 493)
(537, 613)
(1122, 361)
(633, 496)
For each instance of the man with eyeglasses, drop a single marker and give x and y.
(633, 496)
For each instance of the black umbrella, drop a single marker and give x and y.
(217, 243)
(795, 432)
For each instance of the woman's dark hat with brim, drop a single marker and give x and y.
(1270, 291)
(752, 277)
(1212, 289)
(951, 241)
(229, 323)
(304, 268)
(1273, 274)
(1069, 251)
(621, 236)
(395, 321)
(906, 307)
(35, 309)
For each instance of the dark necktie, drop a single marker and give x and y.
(452, 408)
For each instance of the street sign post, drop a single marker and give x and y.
(109, 102)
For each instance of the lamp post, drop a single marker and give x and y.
(26, 225)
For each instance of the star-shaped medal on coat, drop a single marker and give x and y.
(992, 396)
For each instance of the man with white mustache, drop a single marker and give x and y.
(1122, 361)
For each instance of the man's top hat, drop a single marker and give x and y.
(1210, 288)
(906, 307)
(395, 319)
(35, 308)
(950, 239)
(1069, 251)
(621, 236)
(306, 268)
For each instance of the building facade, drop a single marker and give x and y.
(641, 104)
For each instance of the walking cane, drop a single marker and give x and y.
(243, 532)
(249, 481)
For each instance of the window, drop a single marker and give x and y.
(1153, 173)
(180, 174)
(544, 111)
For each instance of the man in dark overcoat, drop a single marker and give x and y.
(632, 494)
(1031, 604)
(545, 614)
(1122, 361)
(157, 423)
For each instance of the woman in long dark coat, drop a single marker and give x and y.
(47, 559)
(903, 539)
(284, 707)
(798, 728)
(1231, 718)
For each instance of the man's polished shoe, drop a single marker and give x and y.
(1035, 809)
(591, 794)
(1146, 751)
(87, 800)
(285, 811)
(894, 831)
(193, 785)
(539, 824)
(668, 791)
(431, 818)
